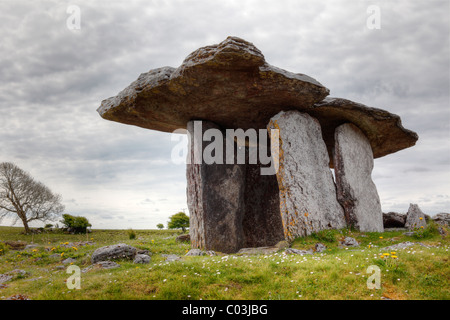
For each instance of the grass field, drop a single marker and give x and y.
(418, 272)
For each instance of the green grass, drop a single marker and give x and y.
(339, 273)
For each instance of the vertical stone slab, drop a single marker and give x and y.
(215, 197)
(307, 192)
(356, 192)
(415, 218)
(262, 220)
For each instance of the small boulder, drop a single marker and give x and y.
(68, 261)
(113, 252)
(415, 218)
(171, 257)
(442, 219)
(195, 252)
(297, 251)
(257, 250)
(349, 242)
(320, 247)
(101, 265)
(142, 258)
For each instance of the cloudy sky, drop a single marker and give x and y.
(53, 78)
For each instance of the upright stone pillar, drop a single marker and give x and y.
(215, 196)
(356, 192)
(307, 192)
(262, 220)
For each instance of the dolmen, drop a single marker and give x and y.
(262, 141)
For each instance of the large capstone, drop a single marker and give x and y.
(307, 192)
(356, 192)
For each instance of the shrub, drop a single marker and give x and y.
(432, 229)
(75, 224)
(131, 234)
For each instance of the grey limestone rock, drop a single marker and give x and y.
(307, 192)
(142, 258)
(195, 252)
(415, 218)
(350, 242)
(113, 252)
(356, 192)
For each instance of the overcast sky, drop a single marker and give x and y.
(52, 80)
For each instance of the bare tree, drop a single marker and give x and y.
(25, 198)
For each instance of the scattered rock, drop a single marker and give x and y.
(69, 260)
(356, 192)
(31, 246)
(142, 258)
(415, 218)
(113, 252)
(13, 274)
(171, 257)
(320, 247)
(297, 251)
(183, 238)
(401, 245)
(394, 220)
(195, 252)
(442, 219)
(349, 242)
(101, 265)
(257, 250)
(143, 251)
(5, 278)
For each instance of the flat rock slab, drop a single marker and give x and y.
(258, 250)
(308, 200)
(229, 84)
(356, 192)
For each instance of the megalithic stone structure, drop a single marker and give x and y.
(230, 86)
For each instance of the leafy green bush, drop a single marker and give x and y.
(431, 230)
(75, 224)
